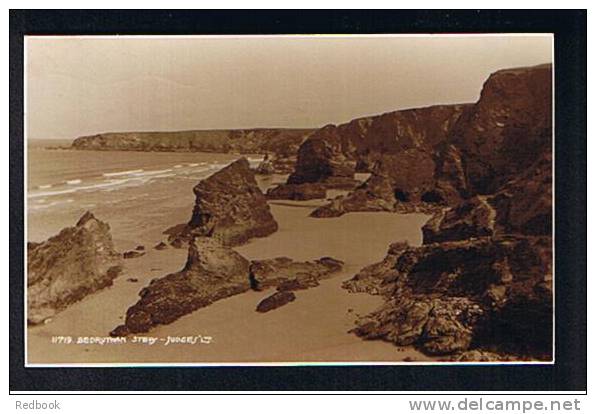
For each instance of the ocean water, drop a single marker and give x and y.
(62, 184)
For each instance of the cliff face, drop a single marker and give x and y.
(230, 206)
(337, 151)
(482, 280)
(477, 149)
(509, 126)
(283, 142)
(67, 267)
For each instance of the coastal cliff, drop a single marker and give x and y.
(338, 151)
(481, 285)
(478, 149)
(280, 141)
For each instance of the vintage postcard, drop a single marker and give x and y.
(258, 200)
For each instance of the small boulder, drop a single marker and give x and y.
(160, 246)
(283, 271)
(132, 254)
(275, 301)
(297, 284)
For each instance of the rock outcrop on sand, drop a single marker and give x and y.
(213, 272)
(491, 293)
(287, 274)
(69, 266)
(413, 180)
(132, 254)
(160, 246)
(481, 281)
(275, 301)
(229, 206)
(284, 142)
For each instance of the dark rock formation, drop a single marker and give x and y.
(502, 134)
(213, 272)
(282, 270)
(276, 163)
(321, 159)
(301, 283)
(275, 301)
(403, 182)
(160, 246)
(284, 142)
(306, 191)
(521, 206)
(373, 278)
(69, 266)
(524, 204)
(475, 152)
(473, 218)
(448, 297)
(266, 167)
(331, 155)
(482, 280)
(480, 288)
(230, 207)
(132, 254)
(140, 248)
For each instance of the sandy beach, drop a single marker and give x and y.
(314, 328)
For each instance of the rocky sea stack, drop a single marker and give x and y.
(230, 207)
(69, 266)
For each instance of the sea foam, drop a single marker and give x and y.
(116, 174)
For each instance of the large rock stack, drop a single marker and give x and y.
(229, 206)
(69, 266)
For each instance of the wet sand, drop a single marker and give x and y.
(313, 328)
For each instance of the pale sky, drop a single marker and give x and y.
(82, 86)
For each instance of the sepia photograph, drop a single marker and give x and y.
(285, 199)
